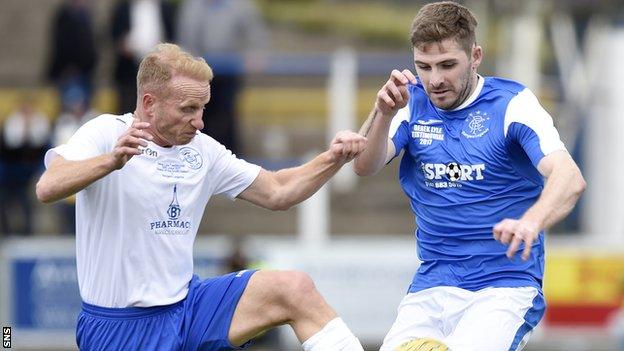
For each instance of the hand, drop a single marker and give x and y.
(513, 232)
(128, 143)
(346, 146)
(393, 96)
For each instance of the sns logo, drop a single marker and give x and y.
(452, 171)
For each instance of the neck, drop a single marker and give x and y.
(158, 138)
(470, 88)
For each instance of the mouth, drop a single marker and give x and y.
(439, 92)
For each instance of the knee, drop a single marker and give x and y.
(298, 290)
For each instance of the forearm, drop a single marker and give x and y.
(375, 128)
(299, 183)
(65, 178)
(560, 194)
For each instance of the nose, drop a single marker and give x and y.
(197, 122)
(436, 79)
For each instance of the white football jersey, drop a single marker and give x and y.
(136, 226)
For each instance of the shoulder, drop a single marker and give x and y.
(207, 146)
(110, 122)
(106, 126)
(503, 86)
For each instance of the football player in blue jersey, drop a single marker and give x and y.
(486, 174)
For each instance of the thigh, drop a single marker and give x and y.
(419, 315)
(498, 319)
(274, 298)
(209, 308)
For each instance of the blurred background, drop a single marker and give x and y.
(289, 74)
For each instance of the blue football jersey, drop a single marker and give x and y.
(466, 169)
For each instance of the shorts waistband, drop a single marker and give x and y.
(127, 312)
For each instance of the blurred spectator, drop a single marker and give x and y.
(76, 112)
(73, 54)
(237, 260)
(24, 139)
(231, 36)
(137, 26)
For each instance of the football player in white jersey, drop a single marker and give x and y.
(476, 151)
(142, 182)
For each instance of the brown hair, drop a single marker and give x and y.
(163, 62)
(444, 20)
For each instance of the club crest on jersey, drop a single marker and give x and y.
(477, 124)
(173, 225)
(191, 157)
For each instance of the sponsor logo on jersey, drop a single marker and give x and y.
(450, 175)
(191, 157)
(149, 152)
(173, 225)
(477, 124)
(426, 133)
(429, 121)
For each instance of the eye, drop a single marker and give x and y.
(423, 67)
(448, 65)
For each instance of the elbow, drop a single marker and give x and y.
(279, 202)
(44, 193)
(280, 206)
(361, 170)
(580, 185)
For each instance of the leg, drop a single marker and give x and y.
(420, 315)
(276, 298)
(498, 319)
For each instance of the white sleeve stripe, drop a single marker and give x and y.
(525, 109)
(402, 115)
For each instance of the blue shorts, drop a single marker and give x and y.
(201, 321)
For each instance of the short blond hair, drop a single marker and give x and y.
(163, 62)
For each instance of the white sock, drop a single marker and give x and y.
(335, 336)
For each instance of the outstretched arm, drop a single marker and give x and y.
(64, 178)
(564, 185)
(285, 188)
(391, 98)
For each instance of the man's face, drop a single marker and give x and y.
(447, 72)
(178, 114)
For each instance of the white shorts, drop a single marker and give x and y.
(492, 319)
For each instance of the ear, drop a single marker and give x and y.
(477, 57)
(148, 101)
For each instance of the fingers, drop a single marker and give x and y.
(394, 94)
(412, 78)
(402, 77)
(513, 247)
(526, 253)
(129, 143)
(514, 233)
(347, 145)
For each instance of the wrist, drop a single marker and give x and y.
(385, 115)
(330, 158)
(534, 219)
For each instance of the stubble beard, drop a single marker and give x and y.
(467, 81)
